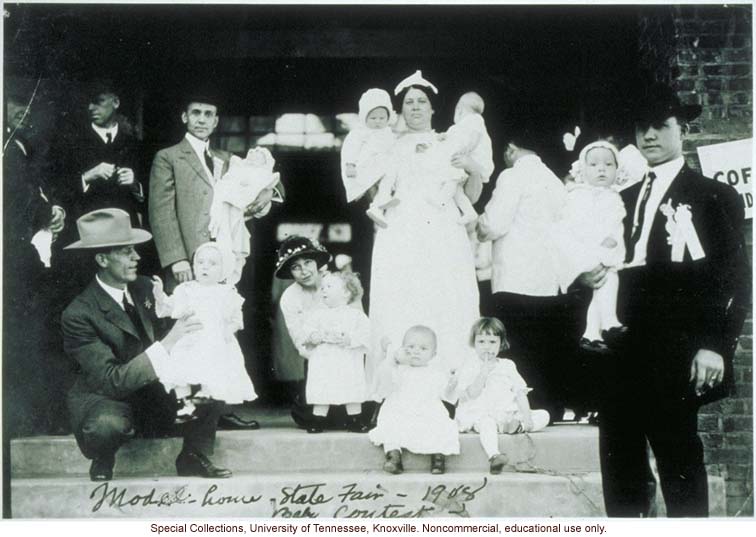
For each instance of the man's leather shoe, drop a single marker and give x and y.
(190, 463)
(229, 422)
(102, 469)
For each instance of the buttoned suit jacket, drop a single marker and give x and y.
(179, 202)
(100, 337)
(694, 304)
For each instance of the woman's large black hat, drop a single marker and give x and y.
(295, 247)
(658, 101)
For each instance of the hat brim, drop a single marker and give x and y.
(138, 236)
(685, 112)
(321, 258)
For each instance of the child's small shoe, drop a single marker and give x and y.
(438, 463)
(498, 462)
(615, 337)
(393, 464)
(356, 425)
(595, 346)
(316, 425)
(185, 412)
(376, 215)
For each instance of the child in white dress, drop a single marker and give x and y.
(467, 136)
(365, 146)
(337, 338)
(232, 193)
(413, 415)
(496, 400)
(589, 232)
(209, 358)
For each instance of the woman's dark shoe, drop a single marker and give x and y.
(393, 464)
(101, 469)
(355, 425)
(190, 463)
(438, 463)
(498, 462)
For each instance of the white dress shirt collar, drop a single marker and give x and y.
(115, 293)
(669, 170)
(102, 132)
(199, 146)
(665, 174)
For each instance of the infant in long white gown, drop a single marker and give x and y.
(211, 357)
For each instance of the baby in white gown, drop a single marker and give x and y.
(413, 415)
(211, 357)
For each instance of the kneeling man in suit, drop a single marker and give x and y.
(112, 333)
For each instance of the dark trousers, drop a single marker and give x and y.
(107, 424)
(543, 333)
(648, 400)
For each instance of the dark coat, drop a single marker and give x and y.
(674, 309)
(100, 337)
(82, 151)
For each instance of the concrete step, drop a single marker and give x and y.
(371, 494)
(567, 448)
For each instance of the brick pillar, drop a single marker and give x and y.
(706, 52)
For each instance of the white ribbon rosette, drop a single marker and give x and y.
(681, 232)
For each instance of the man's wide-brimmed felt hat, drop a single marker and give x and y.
(657, 102)
(104, 228)
(295, 247)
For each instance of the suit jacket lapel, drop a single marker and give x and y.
(140, 302)
(113, 312)
(191, 157)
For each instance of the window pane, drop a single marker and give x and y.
(232, 124)
(291, 124)
(234, 144)
(262, 124)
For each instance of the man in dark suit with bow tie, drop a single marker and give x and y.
(112, 332)
(683, 297)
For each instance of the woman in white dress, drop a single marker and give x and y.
(423, 268)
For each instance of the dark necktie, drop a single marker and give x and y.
(209, 161)
(133, 314)
(109, 136)
(638, 228)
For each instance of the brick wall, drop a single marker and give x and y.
(706, 51)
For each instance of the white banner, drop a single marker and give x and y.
(730, 163)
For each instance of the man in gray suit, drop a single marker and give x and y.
(181, 191)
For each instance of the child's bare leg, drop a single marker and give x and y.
(465, 206)
(320, 410)
(606, 296)
(489, 436)
(593, 320)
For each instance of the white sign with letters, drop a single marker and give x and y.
(730, 163)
